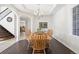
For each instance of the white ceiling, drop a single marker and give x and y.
(44, 9)
(31, 9)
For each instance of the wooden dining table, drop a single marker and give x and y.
(39, 36)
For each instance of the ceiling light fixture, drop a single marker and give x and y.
(37, 12)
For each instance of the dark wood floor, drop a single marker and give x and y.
(5, 34)
(21, 48)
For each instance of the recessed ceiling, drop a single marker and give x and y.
(44, 9)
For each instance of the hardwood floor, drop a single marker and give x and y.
(5, 34)
(21, 48)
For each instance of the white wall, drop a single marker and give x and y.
(62, 23)
(35, 22)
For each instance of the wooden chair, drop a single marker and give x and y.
(50, 32)
(49, 37)
(29, 35)
(39, 43)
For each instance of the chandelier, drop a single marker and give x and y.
(37, 12)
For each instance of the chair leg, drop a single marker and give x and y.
(28, 45)
(44, 51)
(33, 51)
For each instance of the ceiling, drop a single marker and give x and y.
(35, 9)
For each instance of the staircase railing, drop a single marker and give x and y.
(4, 13)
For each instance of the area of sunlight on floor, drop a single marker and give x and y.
(6, 43)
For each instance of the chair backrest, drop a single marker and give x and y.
(39, 42)
(28, 33)
(50, 32)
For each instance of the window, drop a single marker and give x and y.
(42, 24)
(76, 20)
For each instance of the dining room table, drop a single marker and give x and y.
(39, 36)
